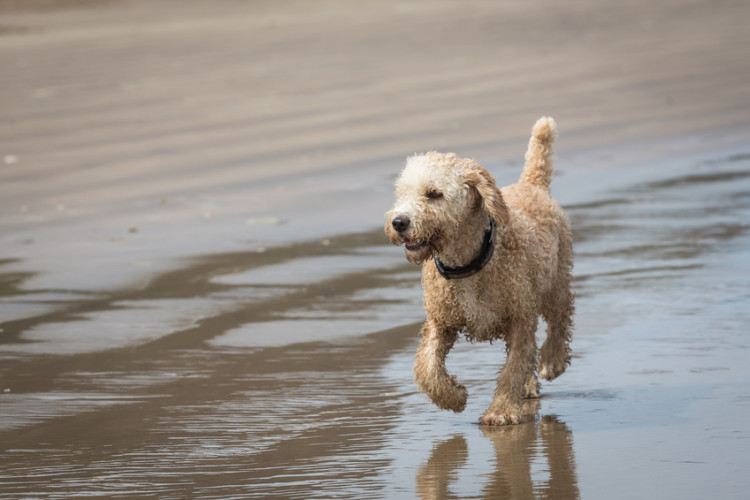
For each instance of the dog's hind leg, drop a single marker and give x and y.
(429, 368)
(557, 308)
(555, 352)
(516, 376)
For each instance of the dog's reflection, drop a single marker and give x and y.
(516, 448)
(441, 468)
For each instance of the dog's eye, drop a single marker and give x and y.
(433, 194)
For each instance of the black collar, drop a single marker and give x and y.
(476, 265)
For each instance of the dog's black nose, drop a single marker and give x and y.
(400, 223)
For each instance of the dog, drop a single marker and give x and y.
(493, 260)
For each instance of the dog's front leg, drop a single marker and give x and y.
(514, 379)
(429, 367)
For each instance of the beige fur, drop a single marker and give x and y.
(442, 209)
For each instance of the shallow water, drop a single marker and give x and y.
(287, 373)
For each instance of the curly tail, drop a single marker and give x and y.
(538, 168)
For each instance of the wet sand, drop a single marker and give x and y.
(196, 298)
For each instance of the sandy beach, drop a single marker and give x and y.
(197, 300)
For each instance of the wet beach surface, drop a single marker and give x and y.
(257, 375)
(197, 300)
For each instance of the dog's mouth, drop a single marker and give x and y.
(418, 244)
(419, 250)
(414, 245)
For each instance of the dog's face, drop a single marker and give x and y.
(433, 199)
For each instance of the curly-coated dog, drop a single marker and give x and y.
(493, 260)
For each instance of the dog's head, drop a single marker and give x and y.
(439, 197)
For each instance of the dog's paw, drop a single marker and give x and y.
(553, 360)
(456, 399)
(550, 371)
(500, 418)
(449, 395)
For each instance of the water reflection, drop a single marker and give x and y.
(532, 460)
(442, 468)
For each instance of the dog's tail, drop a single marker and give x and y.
(538, 168)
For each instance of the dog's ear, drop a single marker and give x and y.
(477, 178)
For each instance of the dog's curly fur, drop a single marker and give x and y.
(442, 210)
